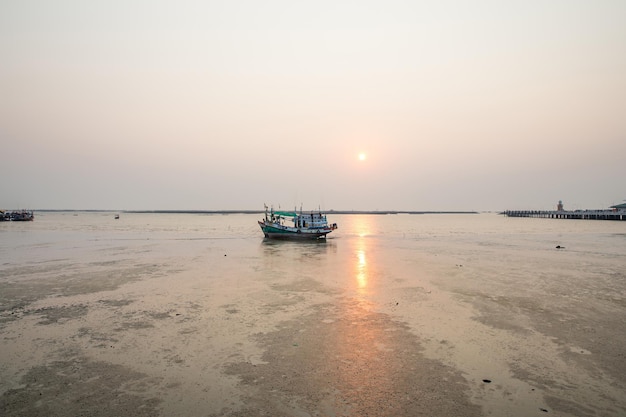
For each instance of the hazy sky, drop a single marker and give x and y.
(457, 105)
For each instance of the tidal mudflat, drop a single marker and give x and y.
(163, 315)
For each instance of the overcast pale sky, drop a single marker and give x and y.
(457, 105)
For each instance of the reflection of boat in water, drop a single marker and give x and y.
(310, 225)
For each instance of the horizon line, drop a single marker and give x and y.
(243, 211)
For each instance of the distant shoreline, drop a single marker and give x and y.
(378, 212)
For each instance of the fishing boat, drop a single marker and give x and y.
(304, 225)
(22, 216)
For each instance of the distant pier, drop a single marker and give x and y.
(574, 215)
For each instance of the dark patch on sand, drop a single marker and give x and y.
(572, 408)
(116, 303)
(51, 315)
(134, 325)
(98, 339)
(9, 313)
(79, 387)
(568, 325)
(160, 315)
(36, 283)
(348, 360)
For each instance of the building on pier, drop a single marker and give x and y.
(559, 207)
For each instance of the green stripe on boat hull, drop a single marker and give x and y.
(276, 233)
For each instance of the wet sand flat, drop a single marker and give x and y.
(297, 349)
(178, 324)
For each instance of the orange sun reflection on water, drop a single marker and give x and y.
(361, 269)
(362, 228)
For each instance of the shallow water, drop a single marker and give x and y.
(391, 315)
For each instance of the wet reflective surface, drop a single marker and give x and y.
(391, 315)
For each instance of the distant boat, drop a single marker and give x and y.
(117, 216)
(309, 225)
(22, 216)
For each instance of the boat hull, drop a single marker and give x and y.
(19, 216)
(284, 232)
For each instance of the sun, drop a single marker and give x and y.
(362, 157)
